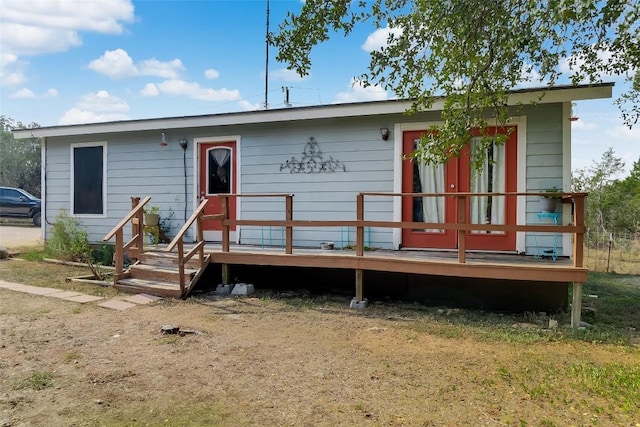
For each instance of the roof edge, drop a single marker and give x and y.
(564, 93)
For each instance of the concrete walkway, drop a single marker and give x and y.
(118, 303)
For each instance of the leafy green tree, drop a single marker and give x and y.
(473, 52)
(19, 158)
(613, 204)
(626, 194)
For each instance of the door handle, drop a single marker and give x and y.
(452, 186)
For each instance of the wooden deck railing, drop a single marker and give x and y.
(178, 241)
(461, 226)
(135, 246)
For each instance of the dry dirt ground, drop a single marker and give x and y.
(286, 361)
(20, 236)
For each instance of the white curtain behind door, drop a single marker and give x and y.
(220, 155)
(432, 181)
(491, 179)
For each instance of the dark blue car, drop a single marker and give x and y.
(17, 203)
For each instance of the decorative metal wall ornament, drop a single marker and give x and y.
(312, 161)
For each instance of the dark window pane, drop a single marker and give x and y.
(87, 180)
(219, 165)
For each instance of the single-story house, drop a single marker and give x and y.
(325, 156)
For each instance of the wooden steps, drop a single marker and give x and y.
(157, 273)
(151, 287)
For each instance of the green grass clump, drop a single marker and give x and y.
(36, 381)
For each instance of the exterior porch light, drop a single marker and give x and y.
(384, 133)
(163, 140)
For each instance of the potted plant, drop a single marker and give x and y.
(549, 201)
(152, 216)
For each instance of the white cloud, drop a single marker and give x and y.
(94, 107)
(11, 70)
(359, 93)
(23, 94)
(117, 64)
(35, 27)
(26, 93)
(78, 116)
(166, 70)
(248, 106)
(211, 74)
(150, 89)
(380, 38)
(286, 75)
(47, 26)
(195, 91)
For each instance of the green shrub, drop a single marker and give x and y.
(68, 241)
(104, 254)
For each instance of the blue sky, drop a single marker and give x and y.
(78, 61)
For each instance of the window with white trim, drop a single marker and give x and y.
(88, 178)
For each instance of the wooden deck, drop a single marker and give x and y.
(461, 263)
(437, 263)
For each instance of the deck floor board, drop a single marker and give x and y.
(441, 263)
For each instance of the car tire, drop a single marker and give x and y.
(36, 219)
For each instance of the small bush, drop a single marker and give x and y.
(103, 255)
(68, 241)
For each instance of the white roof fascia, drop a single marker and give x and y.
(525, 96)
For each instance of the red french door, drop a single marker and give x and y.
(498, 175)
(217, 176)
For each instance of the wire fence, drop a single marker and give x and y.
(612, 252)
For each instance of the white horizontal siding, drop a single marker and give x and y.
(139, 166)
(544, 168)
(368, 164)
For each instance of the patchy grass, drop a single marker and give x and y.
(40, 273)
(612, 305)
(36, 381)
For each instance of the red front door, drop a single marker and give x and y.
(217, 176)
(499, 175)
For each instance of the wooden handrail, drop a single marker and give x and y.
(461, 224)
(135, 216)
(186, 226)
(540, 194)
(405, 224)
(126, 219)
(178, 241)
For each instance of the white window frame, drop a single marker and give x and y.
(73, 146)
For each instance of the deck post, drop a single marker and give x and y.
(200, 238)
(360, 228)
(225, 225)
(358, 302)
(140, 238)
(576, 305)
(181, 266)
(119, 264)
(135, 227)
(225, 274)
(288, 228)
(462, 234)
(578, 238)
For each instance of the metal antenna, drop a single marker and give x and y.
(266, 66)
(285, 89)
